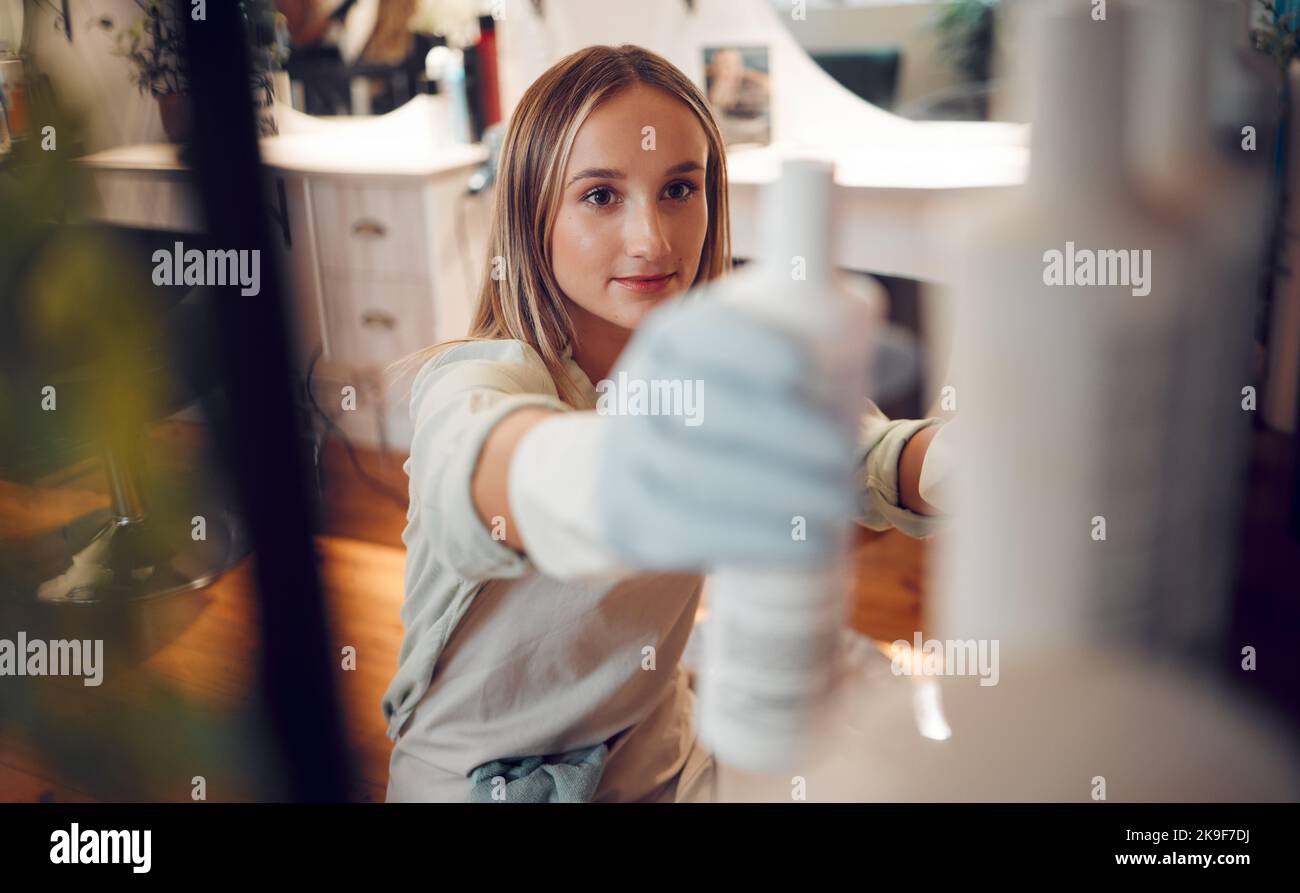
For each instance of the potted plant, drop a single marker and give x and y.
(965, 30)
(267, 32)
(154, 45)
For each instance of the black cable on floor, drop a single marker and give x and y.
(374, 483)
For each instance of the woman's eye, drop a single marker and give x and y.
(681, 190)
(601, 197)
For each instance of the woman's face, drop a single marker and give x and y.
(633, 213)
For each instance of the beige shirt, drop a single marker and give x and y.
(500, 661)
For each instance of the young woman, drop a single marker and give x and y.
(541, 658)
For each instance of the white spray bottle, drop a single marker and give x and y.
(772, 647)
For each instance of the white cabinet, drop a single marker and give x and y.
(373, 319)
(378, 242)
(371, 228)
(381, 258)
(390, 277)
(145, 199)
(378, 285)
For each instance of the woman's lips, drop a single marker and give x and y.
(646, 284)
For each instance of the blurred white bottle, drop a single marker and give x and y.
(445, 66)
(774, 635)
(1063, 498)
(1065, 414)
(1064, 386)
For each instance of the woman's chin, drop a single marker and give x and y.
(627, 310)
(639, 309)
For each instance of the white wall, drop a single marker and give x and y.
(87, 77)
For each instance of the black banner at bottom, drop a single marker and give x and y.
(237, 841)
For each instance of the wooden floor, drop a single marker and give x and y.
(190, 673)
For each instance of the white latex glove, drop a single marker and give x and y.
(554, 496)
(940, 464)
(728, 491)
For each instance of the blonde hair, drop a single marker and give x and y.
(525, 303)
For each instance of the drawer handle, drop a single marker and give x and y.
(369, 227)
(378, 319)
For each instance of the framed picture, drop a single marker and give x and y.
(736, 81)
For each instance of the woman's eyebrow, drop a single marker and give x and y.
(609, 173)
(685, 167)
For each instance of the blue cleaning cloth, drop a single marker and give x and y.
(568, 778)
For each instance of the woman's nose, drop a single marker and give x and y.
(645, 236)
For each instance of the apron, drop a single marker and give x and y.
(539, 666)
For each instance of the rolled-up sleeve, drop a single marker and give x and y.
(881, 441)
(456, 400)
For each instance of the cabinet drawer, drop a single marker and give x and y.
(369, 228)
(152, 201)
(373, 320)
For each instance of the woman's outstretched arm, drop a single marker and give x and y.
(491, 482)
(909, 471)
